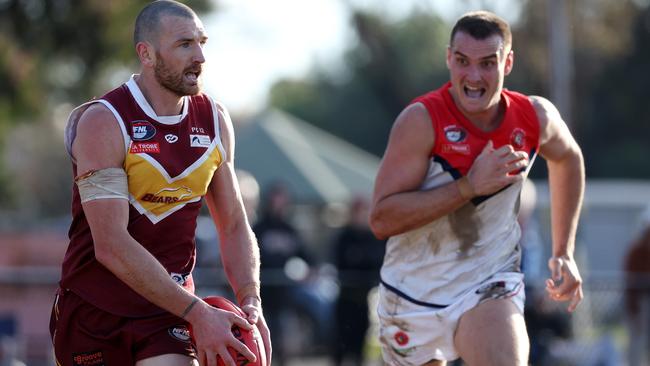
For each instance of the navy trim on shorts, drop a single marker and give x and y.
(407, 297)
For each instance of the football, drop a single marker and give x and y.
(251, 338)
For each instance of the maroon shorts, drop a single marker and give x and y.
(84, 335)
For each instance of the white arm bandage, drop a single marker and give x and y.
(102, 184)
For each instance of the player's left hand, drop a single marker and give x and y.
(253, 309)
(565, 283)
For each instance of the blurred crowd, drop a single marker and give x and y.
(316, 300)
(319, 286)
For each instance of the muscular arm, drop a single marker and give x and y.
(398, 203)
(566, 183)
(566, 175)
(240, 253)
(98, 145)
(239, 250)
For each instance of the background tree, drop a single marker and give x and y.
(52, 53)
(619, 137)
(391, 64)
(394, 62)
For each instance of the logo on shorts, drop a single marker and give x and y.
(401, 338)
(142, 130)
(92, 358)
(498, 290)
(455, 133)
(180, 333)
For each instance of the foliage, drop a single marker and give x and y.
(395, 62)
(54, 52)
(391, 64)
(619, 136)
(56, 49)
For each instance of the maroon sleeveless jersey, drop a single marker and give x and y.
(170, 161)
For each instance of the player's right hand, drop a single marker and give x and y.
(253, 309)
(212, 333)
(565, 283)
(494, 168)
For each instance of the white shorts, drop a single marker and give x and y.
(412, 334)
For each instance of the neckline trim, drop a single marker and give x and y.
(148, 110)
(463, 120)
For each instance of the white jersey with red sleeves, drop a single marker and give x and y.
(435, 264)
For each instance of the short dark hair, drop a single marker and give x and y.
(481, 25)
(148, 21)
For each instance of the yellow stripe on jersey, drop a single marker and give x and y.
(154, 193)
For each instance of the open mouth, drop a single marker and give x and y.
(473, 92)
(192, 76)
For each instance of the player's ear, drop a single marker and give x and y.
(146, 53)
(510, 60)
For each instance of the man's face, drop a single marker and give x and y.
(477, 69)
(179, 55)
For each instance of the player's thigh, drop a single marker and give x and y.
(493, 334)
(171, 359)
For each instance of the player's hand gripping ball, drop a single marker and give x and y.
(251, 338)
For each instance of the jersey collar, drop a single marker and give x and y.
(148, 110)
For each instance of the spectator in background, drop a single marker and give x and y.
(284, 261)
(358, 256)
(9, 351)
(637, 295)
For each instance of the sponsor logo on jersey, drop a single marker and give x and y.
(180, 333)
(171, 138)
(144, 148)
(200, 140)
(142, 130)
(456, 148)
(92, 358)
(517, 138)
(455, 133)
(167, 195)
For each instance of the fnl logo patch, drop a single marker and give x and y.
(142, 130)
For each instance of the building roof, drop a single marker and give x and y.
(318, 166)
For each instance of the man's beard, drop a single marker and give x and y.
(174, 81)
